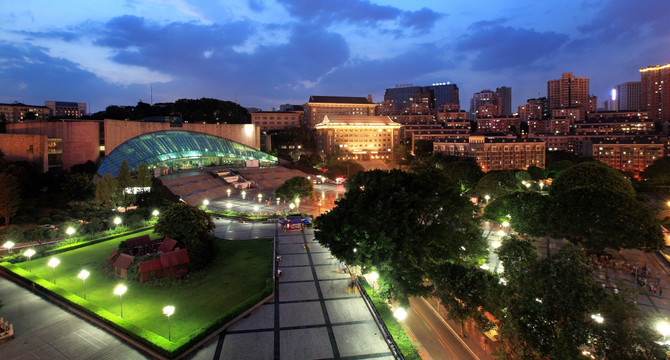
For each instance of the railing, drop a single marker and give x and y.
(380, 323)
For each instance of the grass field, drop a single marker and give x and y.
(240, 271)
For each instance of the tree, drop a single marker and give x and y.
(595, 206)
(191, 226)
(143, 176)
(604, 218)
(295, 187)
(659, 171)
(346, 168)
(528, 212)
(10, 200)
(423, 148)
(626, 333)
(465, 172)
(497, 183)
(107, 192)
(78, 187)
(464, 293)
(543, 306)
(403, 224)
(590, 176)
(88, 168)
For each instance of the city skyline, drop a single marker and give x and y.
(266, 53)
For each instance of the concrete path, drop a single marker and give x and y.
(313, 316)
(44, 331)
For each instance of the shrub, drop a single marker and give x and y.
(94, 226)
(44, 220)
(58, 218)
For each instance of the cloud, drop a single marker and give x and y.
(360, 12)
(624, 20)
(37, 80)
(499, 47)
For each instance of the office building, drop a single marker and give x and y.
(505, 100)
(319, 106)
(18, 113)
(406, 98)
(66, 109)
(628, 96)
(358, 137)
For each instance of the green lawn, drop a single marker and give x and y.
(240, 271)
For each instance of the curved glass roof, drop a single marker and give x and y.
(169, 145)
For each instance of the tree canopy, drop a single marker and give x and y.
(591, 176)
(10, 199)
(295, 187)
(191, 226)
(528, 212)
(497, 183)
(403, 224)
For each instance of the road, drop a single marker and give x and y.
(438, 340)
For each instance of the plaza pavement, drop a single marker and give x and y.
(312, 316)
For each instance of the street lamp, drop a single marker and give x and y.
(228, 192)
(487, 198)
(400, 314)
(598, 318)
(205, 202)
(244, 194)
(256, 208)
(155, 213)
(83, 275)
(120, 290)
(8, 245)
(278, 201)
(297, 202)
(70, 230)
(374, 276)
(292, 206)
(229, 205)
(117, 221)
(663, 327)
(53, 262)
(29, 254)
(168, 311)
(260, 197)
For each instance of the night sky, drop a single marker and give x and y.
(266, 53)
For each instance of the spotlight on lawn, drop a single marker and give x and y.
(83, 275)
(120, 290)
(155, 213)
(168, 311)
(29, 254)
(53, 262)
(8, 245)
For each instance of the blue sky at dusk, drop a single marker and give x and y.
(264, 53)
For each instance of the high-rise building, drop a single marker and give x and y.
(403, 96)
(18, 112)
(66, 109)
(505, 100)
(655, 87)
(484, 103)
(568, 92)
(628, 96)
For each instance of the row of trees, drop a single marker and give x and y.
(211, 111)
(418, 230)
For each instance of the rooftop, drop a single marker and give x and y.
(340, 100)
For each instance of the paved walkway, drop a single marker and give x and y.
(313, 316)
(42, 330)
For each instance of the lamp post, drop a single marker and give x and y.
(53, 262)
(83, 275)
(168, 311)
(297, 202)
(291, 205)
(229, 206)
(278, 201)
(155, 213)
(256, 208)
(205, 203)
(120, 290)
(598, 318)
(29, 254)
(228, 192)
(117, 221)
(663, 327)
(260, 197)
(374, 276)
(400, 314)
(487, 198)
(8, 245)
(244, 194)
